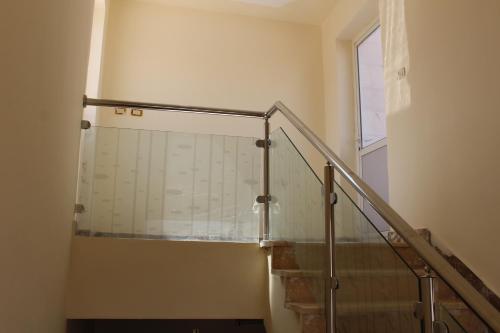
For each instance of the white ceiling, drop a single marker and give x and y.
(302, 11)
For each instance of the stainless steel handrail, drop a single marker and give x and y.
(455, 280)
(171, 107)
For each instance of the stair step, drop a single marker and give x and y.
(464, 316)
(354, 273)
(396, 240)
(313, 323)
(300, 290)
(283, 257)
(348, 309)
(454, 305)
(305, 308)
(360, 308)
(296, 273)
(359, 256)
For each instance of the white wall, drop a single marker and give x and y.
(443, 141)
(45, 48)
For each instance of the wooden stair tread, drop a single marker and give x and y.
(353, 308)
(355, 243)
(378, 307)
(305, 308)
(296, 273)
(453, 305)
(346, 273)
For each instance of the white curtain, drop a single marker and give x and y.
(396, 55)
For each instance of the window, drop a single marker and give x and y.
(371, 89)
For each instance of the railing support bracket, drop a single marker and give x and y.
(262, 143)
(263, 199)
(85, 124)
(79, 208)
(418, 310)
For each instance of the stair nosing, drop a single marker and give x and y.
(296, 273)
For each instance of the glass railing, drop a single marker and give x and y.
(377, 291)
(296, 209)
(296, 216)
(445, 322)
(452, 314)
(172, 185)
(168, 185)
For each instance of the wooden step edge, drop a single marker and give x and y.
(357, 244)
(397, 241)
(266, 244)
(346, 309)
(305, 308)
(296, 273)
(453, 305)
(354, 273)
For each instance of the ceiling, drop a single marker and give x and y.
(301, 11)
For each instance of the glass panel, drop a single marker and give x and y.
(377, 290)
(297, 200)
(453, 312)
(297, 216)
(376, 175)
(447, 322)
(158, 184)
(371, 89)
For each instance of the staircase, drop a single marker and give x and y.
(303, 286)
(374, 295)
(380, 287)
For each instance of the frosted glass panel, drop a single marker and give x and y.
(156, 184)
(377, 290)
(296, 194)
(297, 216)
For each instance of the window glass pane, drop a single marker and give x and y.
(371, 89)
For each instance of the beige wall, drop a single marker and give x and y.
(117, 278)
(183, 56)
(45, 47)
(442, 119)
(347, 21)
(99, 23)
(443, 146)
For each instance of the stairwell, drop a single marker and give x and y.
(378, 288)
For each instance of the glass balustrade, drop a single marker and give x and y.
(297, 215)
(445, 322)
(169, 185)
(157, 184)
(377, 291)
(452, 315)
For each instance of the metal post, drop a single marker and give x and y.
(429, 316)
(330, 279)
(266, 178)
